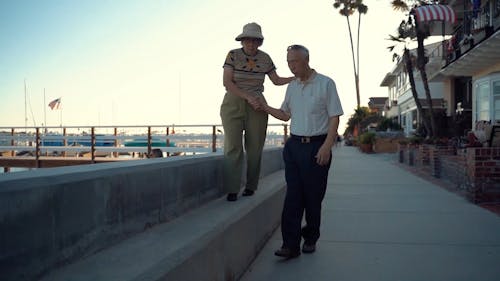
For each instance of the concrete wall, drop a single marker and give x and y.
(215, 242)
(54, 216)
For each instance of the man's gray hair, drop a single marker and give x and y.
(300, 48)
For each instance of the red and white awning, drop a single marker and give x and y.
(435, 13)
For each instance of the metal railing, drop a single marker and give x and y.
(474, 21)
(137, 141)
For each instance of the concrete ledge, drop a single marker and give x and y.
(55, 216)
(217, 241)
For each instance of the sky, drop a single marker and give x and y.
(155, 62)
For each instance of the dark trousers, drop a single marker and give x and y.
(306, 185)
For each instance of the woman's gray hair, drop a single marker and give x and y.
(300, 48)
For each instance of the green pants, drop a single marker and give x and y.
(238, 117)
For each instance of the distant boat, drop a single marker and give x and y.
(49, 140)
(154, 143)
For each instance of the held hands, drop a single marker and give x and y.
(257, 103)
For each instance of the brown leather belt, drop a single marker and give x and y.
(304, 139)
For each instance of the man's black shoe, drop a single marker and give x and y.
(232, 196)
(287, 253)
(308, 248)
(248, 192)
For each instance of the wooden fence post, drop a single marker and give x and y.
(92, 145)
(149, 141)
(168, 141)
(37, 147)
(214, 139)
(115, 143)
(65, 141)
(12, 152)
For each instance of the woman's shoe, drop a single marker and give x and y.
(232, 196)
(248, 192)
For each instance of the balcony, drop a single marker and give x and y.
(475, 45)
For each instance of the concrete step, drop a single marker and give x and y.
(216, 241)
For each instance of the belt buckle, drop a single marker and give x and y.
(305, 140)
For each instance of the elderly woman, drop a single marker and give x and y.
(244, 73)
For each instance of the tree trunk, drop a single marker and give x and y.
(358, 91)
(356, 80)
(421, 62)
(409, 69)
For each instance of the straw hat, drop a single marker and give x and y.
(251, 30)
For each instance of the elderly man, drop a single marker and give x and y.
(314, 107)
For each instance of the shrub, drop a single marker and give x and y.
(404, 141)
(415, 140)
(367, 138)
(387, 123)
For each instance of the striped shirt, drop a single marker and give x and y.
(249, 72)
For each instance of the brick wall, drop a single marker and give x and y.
(386, 145)
(454, 170)
(436, 155)
(474, 170)
(483, 168)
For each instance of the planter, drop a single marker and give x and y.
(385, 145)
(366, 147)
(366, 141)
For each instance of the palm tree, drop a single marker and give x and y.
(408, 61)
(406, 31)
(421, 62)
(411, 29)
(347, 8)
(359, 115)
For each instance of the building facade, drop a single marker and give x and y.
(463, 68)
(400, 106)
(471, 64)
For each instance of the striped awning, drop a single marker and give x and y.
(435, 13)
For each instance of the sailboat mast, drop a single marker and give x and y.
(25, 107)
(44, 111)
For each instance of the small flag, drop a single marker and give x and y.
(55, 103)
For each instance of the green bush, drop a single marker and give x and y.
(415, 140)
(367, 138)
(387, 123)
(404, 141)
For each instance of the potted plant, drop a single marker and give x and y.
(366, 141)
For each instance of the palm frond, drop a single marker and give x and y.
(400, 5)
(362, 9)
(394, 38)
(395, 57)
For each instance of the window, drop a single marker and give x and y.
(483, 101)
(496, 100)
(486, 98)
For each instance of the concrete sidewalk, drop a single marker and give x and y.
(381, 222)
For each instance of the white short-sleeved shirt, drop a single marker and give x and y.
(311, 104)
